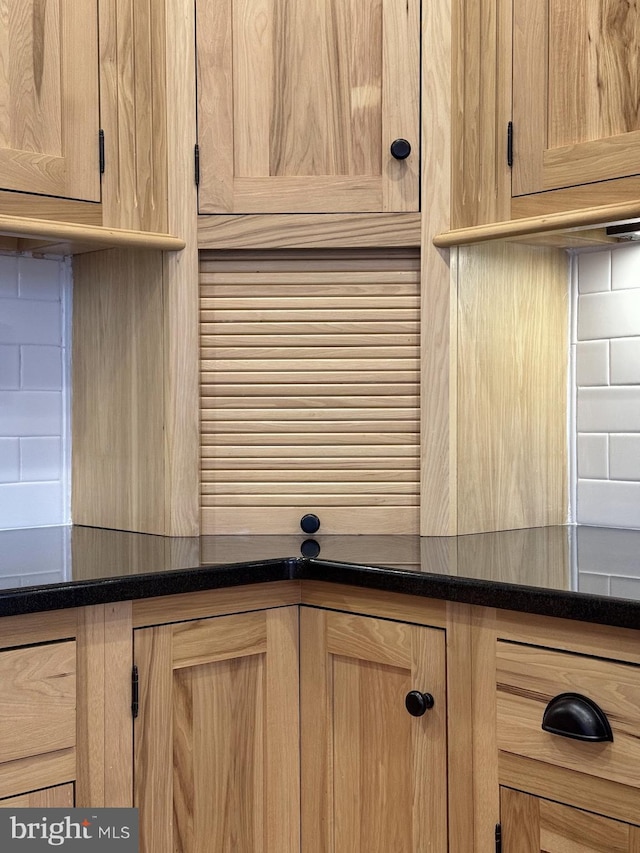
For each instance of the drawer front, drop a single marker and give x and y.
(37, 700)
(529, 677)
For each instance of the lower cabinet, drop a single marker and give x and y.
(373, 775)
(568, 730)
(216, 740)
(242, 715)
(38, 725)
(534, 825)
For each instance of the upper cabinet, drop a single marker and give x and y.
(300, 101)
(49, 116)
(561, 76)
(575, 93)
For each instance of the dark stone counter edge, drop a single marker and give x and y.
(584, 607)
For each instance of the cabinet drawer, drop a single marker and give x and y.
(37, 700)
(529, 677)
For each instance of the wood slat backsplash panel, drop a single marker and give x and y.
(309, 391)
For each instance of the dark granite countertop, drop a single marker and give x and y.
(586, 573)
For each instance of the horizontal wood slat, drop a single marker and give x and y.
(300, 391)
(254, 455)
(333, 301)
(296, 413)
(309, 501)
(309, 391)
(310, 278)
(337, 432)
(294, 366)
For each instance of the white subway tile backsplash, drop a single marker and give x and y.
(31, 504)
(593, 456)
(625, 267)
(594, 272)
(8, 276)
(592, 363)
(40, 459)
(612, 409)
(35, 296)
(609, 315)
(9, 367)
(39, 278)
(624, 457)
(9, 460)
(41, 368)
(25, 413)
(23, 321)
(625, 361)
(608, 503)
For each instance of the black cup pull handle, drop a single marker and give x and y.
(575, 716)
(400, 149)
(418, 703)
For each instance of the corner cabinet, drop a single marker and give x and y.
(49, 122)
(299, 103)
(216, 741)
(575, 94)
(373, 775)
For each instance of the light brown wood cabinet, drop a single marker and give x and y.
(563, 72)
(38, 722)
(272, 718)
(299, 102)
(575, 94)
(216, 742)
(49, 120)
(557, 792)
(64, 714)
(373, 776)
(534, 825)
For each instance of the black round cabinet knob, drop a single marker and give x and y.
(400, 149)
(310, 548)
(418, 703)
(310, 523)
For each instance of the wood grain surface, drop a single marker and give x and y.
(298, 103)
(49, 92)
(216, 743)
(309, 391)
(373, 777)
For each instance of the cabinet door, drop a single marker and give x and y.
(575, 95)
(373, 776)
(216, 740)
(300, 100)
(533, 825)
(310, 393)
(49, 98)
